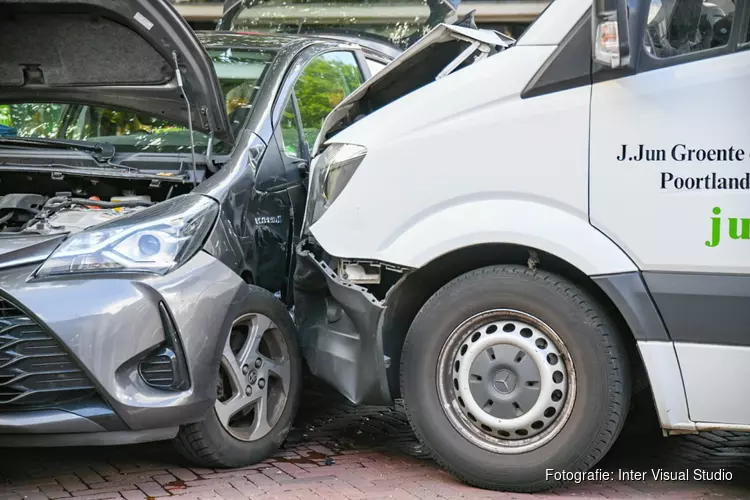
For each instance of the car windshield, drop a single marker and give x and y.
(240, 73)
(400, 22)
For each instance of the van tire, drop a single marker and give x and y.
(601, 386)
(209, 443)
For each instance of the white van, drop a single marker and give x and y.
(513, 234)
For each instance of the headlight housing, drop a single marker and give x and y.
(155, 240)
(331, 173)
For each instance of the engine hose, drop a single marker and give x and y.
(110, 204)
(59, 202)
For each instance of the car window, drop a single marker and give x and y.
(290, 131)
(677, 27)
(240, 74)
(375, 66)
(324, 83)
(30, 120)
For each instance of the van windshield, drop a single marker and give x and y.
(240, 74)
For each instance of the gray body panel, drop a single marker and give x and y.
(108, 323)
(19, 250)
(247, 191)
(109, 438)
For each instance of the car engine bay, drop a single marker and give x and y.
(32, 213)
(71, 205)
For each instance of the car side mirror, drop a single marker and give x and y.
(611, 33)
(303, 167)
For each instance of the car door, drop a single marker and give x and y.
(669, 163)
(281, 186)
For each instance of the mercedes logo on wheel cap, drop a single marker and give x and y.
(505, 381)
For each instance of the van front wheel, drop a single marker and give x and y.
(513, 377)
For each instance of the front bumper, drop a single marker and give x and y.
(74, 372)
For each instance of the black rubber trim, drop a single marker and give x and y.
(171, 350)
(631, 297)
(569, 66)
(703, 308)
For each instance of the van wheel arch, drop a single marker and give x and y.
(406, 299)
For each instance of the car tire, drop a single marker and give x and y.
(515, 442)
(231, 435)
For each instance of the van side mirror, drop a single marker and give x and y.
(611, 32)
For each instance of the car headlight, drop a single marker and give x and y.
(331, 173)
(155, 240)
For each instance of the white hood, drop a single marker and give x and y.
(437, 54)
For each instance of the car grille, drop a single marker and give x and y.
(157, 370)
(35, 370)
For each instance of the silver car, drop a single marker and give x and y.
(152, 187)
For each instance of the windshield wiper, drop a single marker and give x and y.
(100, 151)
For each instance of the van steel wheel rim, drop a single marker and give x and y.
(254, 378)
(506, 381)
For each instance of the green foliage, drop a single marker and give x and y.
(32, 120)
(5, 115)
(323, 85)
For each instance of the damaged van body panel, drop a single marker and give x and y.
(442, 51)
(351, 330)
(341, 331)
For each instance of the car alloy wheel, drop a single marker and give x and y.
(255, 377)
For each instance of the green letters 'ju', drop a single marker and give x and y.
(739, 229)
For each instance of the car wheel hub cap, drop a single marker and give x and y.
(506, 381)
(251, 400)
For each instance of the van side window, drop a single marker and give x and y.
(677, 27)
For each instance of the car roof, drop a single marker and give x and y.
(251, 40)
(275, 42)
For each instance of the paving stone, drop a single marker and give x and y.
(340, 452)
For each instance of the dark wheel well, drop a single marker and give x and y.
(405, 300)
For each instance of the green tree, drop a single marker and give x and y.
(322, 87)
(32, 120)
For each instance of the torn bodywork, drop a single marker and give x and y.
(343, 326)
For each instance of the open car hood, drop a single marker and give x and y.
(111, 53)
(440, 52)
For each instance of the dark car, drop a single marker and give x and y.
(152, 188)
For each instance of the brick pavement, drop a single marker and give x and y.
(337, 452)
